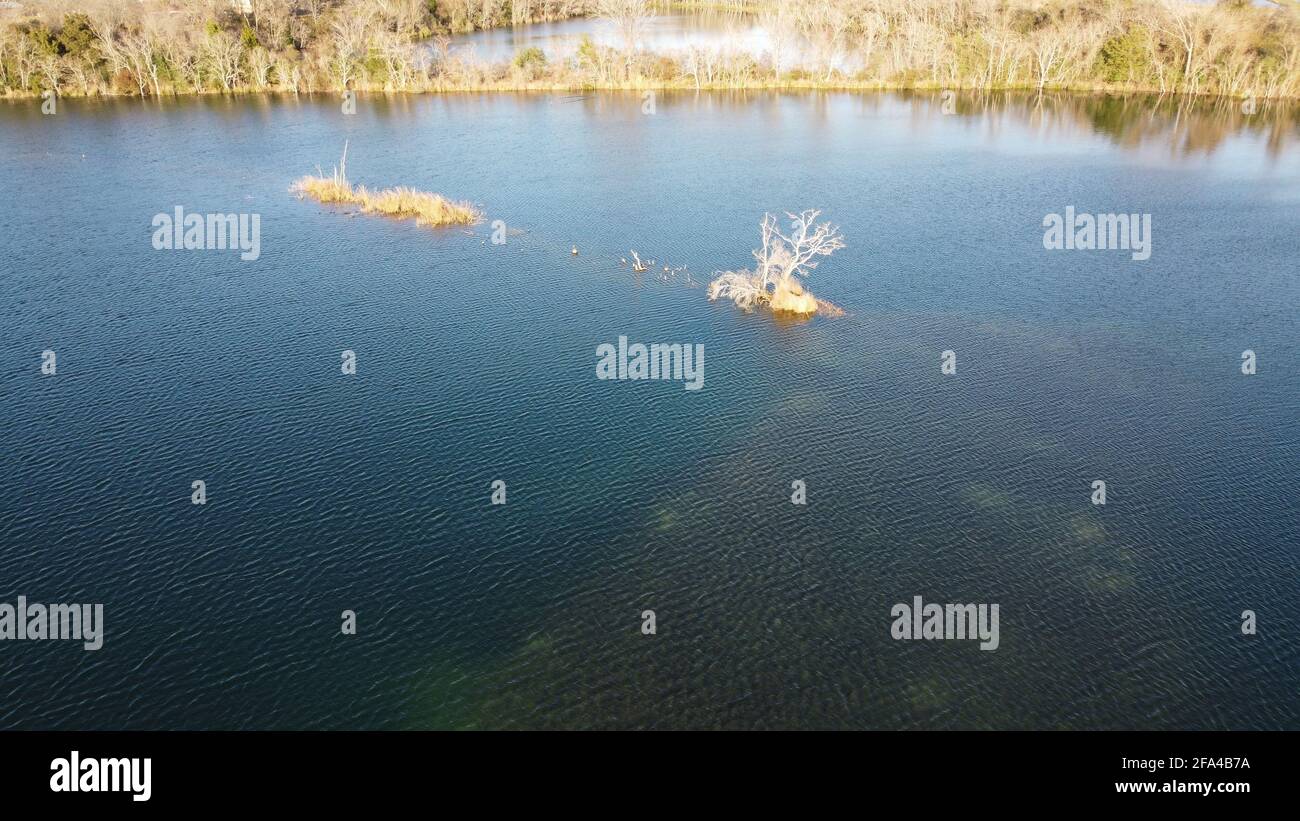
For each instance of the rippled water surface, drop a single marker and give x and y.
(476, 362)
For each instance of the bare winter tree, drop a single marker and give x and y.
(315, 8)
(823, 24)
(224, 51)
(52, 70)
(779, 24)
(261, 64)
(1183, 22)
(4, 50)
(138, 52)
(872, 27)
(1049, 50)
(273, 18)
(629, 16)
(105, 20)
(781, 260)
(184, 57)
(350, 36)
(24, 54)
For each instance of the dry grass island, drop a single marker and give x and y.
(1231, 48)
(427, 209)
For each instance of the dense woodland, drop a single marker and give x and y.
(158, 48)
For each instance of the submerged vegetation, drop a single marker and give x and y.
(782, 260)
(156, 47)
(425, 208)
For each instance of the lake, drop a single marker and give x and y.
(475, 362)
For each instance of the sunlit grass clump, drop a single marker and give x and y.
(325, 189)
(426, 208)
(422, 206)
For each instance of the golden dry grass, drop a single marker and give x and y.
(324, 189)
(789, 296)
(426, 208)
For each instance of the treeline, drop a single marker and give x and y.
(147, 48)
(157, 47)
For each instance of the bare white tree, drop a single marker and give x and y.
(629, 16)
(138, 54)
(1184, 23)
(823, 25)
(104, 22)
(1049, 50)
(351, 38)
(223, 52)
(52, 70)
(273, 19)
(781, 260)
(779, 24)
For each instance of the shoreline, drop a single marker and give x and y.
(509, 87)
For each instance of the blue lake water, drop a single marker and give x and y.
(476, 362)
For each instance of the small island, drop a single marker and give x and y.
(400, 202)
